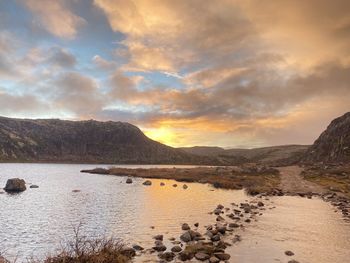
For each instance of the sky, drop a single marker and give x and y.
(229, 73)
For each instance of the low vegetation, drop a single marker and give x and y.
(254, 179)
(335, 178)
(84, 250)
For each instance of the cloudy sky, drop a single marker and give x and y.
(187, 72)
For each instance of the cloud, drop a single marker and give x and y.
(55, 17)
(77, 93)
(103, 63)
(61, 57)
(19, 104)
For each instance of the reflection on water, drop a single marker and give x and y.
(309, 228)
(35, 221)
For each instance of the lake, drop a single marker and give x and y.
(37, 220)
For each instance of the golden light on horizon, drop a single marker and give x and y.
(162, 134)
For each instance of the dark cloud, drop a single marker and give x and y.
(61, 57)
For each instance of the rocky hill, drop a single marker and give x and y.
(333, 145)
(53, 140)
(274, 155)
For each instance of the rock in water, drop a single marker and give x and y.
(15, 185)
(147, 182)
(129, 181)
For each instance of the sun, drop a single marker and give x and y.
(163, 134)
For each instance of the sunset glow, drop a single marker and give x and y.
(188, 72)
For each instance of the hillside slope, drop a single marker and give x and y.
(333, 145)
(275, 155)
(52, 140)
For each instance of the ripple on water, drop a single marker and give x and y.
(37, 220)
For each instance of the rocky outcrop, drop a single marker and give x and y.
(333, 145)
(15, 185)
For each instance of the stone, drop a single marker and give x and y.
(15, 185)
(129, 181)
(128, 252)
(176, 249)
(214, 259)
(186, 237)
(233, 225)
(168, 256)
(216, 238)
(147, 182)
(137, 247)
(158, 237)
(34, 186)
(201, 256)
(186, 255)
(76, 191)
(159, 248)
(162, 184)
(293, 261)
(289, 253)
(185, 226)
(174, 185)
(260, 203)
(222, 256)
(185, 186)
(196, 224)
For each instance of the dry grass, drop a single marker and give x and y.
(332, 178)
(254, 180)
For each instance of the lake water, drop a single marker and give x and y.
(37, 220)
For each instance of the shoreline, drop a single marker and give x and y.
(254, 179)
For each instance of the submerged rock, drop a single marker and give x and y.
(15, 185)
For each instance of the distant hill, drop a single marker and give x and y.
(333, 145)
(275, 155)
(203, 150)
(53, 140)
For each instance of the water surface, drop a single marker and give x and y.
(37, 220)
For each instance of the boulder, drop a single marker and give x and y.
(15, 185)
